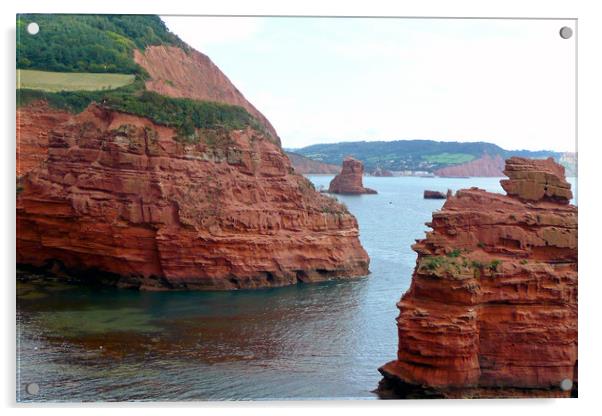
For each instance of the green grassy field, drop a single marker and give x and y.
(449, 158)
(70, 81)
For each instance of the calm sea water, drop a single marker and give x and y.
(312, 341)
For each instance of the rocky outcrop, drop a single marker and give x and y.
(485, 166)
(436, 194)
(349, 181)
(191, 74)
(33, 123)
(536, 180)
(492, 307)
(118, 199)
(306, 166)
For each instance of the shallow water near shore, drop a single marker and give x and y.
(309, 341)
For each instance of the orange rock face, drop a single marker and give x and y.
(119, 200)
(191, 74)
(486, 166)
(534, 180)
(492, 308)
(349, 181)
(33, 122)
(304, 165)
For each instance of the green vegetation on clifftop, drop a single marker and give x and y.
(81, 51)
(89, 43)
(183, 114)
(70, 81)
(449, 158)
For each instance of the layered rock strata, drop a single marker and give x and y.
(33, 123)
(492, 307)
(120, 200)
(349, 181)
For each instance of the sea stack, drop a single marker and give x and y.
(492, 307)
(349, 181)
(112, 196)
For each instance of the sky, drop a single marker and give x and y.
(327, 80)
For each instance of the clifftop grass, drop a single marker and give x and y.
(70, 81)
(183, 114)
(94, 53)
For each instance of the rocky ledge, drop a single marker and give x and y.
(118, 199)
(492, 307)
(349, 181)
(436, 194)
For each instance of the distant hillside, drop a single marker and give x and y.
(305, 165)
(413, 155)
(484, 166)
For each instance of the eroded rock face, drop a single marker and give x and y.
(349, 181)
(306, 166)
(492, 308)
(118, 199)
(191, 74)
(33, 123)
(536, 179)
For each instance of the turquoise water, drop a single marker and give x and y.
(308, 341)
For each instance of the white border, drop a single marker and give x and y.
(590, 135)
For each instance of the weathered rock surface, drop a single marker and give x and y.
(118, 199)
(304, 165)
(33, 123)
(349, 181)
(492, 307)
(485, 166)
(191, 74)
(536, 179)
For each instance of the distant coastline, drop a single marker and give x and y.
(421, 157)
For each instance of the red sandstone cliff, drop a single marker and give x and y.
(349, 181)
(492, 308)
(191, 74)
(119, 196)
(33, 122)
(484, 166)
(304, 165)
(110, 196)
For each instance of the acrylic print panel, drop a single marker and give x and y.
(227, 208)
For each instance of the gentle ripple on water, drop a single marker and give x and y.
(307, 341)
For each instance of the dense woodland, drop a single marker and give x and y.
(88, 43)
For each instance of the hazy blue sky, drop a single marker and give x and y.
(510, 82)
